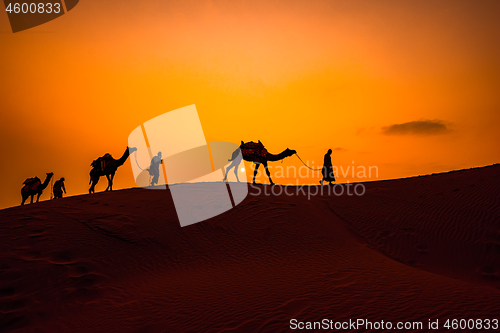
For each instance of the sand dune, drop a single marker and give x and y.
(408, 250)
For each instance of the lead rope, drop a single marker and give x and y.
(51, 188)
(135, 155)
(306, 164)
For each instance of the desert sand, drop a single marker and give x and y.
(410, 249)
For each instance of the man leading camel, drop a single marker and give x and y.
(59, 188)
(154, 168)
(327, 169)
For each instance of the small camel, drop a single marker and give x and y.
(238, 156)
(108, 168)
(30, 191)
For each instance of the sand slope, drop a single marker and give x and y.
(410, 249)
(447, 223)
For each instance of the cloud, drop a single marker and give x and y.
(339, 149)
(419, 127)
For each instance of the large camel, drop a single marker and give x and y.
(107, 167)
(238, 156)
(30, 190)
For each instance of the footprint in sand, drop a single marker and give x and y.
(10, 302)
(30, 218)
(493, 246)
(87, 280)
(7, 292)
(412, 262)
(294, 307)
(490, 272)
(37, 233)
(62, 258)
(31, 255)
(422, 248)
(84, 284)
(77, 271)
(82, 276)
(13, 305)
(10, 274)
(339, 279)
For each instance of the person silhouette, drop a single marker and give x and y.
(154, 168)
(59, 188)
(327, 169)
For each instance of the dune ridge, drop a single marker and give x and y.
(408, 250)
(446, 223)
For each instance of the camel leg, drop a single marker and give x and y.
(109, 183)
(234, 165)
(227, 170)
(268, 173)
(38, 196)
(257, 165)
(32, 198)
(236, 173)
(24, 199)
(94, 183)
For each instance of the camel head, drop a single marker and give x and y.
(289, 152)
(47, 180)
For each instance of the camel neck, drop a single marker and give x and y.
(46, 181)
(124, 157)
(278, 157)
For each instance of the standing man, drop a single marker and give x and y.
(154, 168)
(59, 188)
(327, 170)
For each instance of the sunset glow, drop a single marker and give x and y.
(410, 87)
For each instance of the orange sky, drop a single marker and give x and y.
(307, 75)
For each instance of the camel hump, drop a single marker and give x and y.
(30, 181)
(254, 151)
(32, 184)
(97, 162)
(251, 145)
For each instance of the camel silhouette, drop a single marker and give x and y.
(108, 168)
(30, 191)
(238, 156)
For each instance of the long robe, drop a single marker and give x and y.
(154, 169)
(327, 170)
